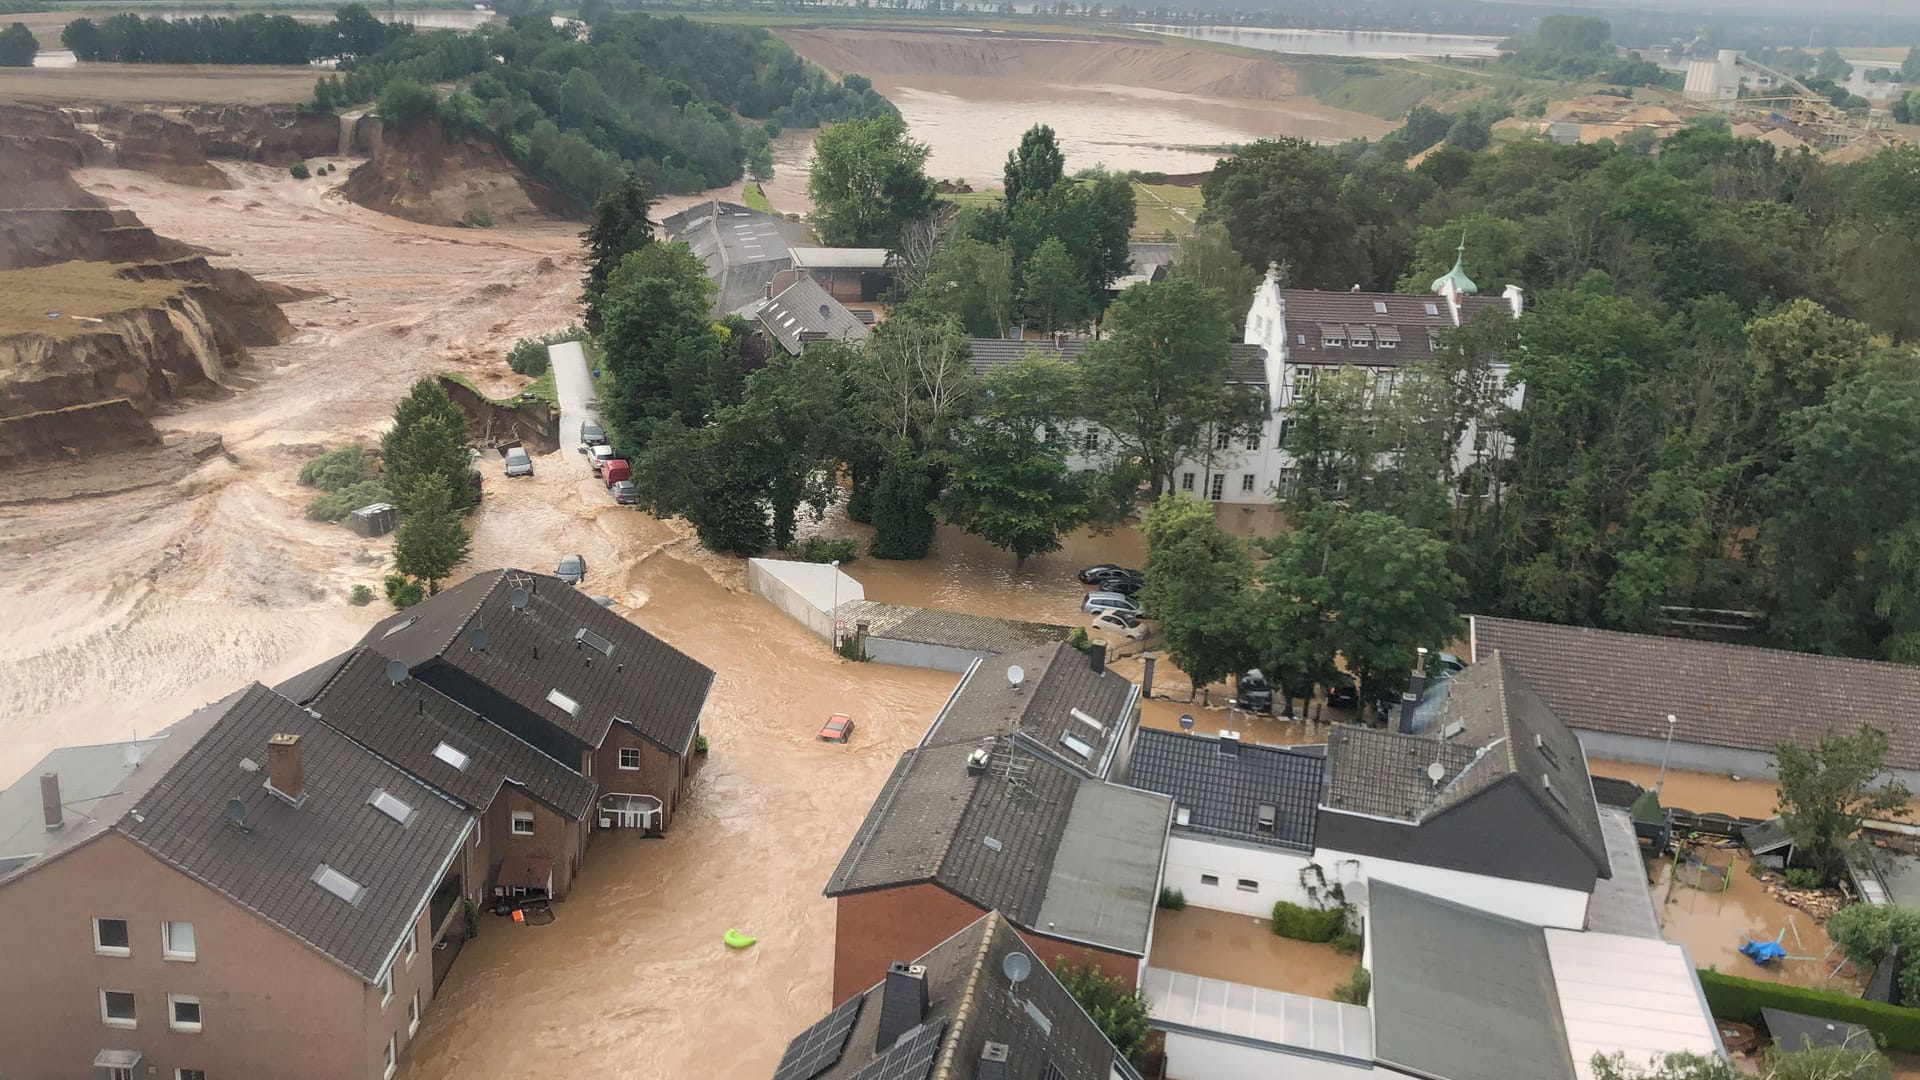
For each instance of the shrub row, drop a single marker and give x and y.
(1734, 998)
(1307, 924)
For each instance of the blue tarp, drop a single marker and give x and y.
(1761, 952)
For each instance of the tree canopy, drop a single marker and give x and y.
(869, 182)
(1827, 790)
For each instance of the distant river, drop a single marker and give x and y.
(1374, 45)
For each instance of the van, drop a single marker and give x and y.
(616, 470)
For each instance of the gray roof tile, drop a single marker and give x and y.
(1057, 680)
(404, 723)
(1734, 696)
(1222, 793)
(803, 312)
(1317, 315)
(934, 626)
(268, 866)
(645, 683)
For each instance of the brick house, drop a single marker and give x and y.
(533, 655)
(984, 815)
(248, 893)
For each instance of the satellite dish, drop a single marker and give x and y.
(1436, 772)
(1186, 721)
(477, 638)
(396, 672)
(518, 598)
(1016, 675)
(236, 811)
(1017, 967)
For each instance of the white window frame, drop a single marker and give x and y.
(115, 1072)
(523, 816)
(412, 945)
(393, 1057)
(386, 987)
(127, 1022)
(413, 1014)
(112, 950)
(1223, 440)
(181, 1074)
(1253, 440)
(1247, 885)
(168, 952)
(1246, 481)
(1217, 487)
(174, 1023)
(635, 751)
(1186, 481)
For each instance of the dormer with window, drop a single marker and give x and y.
(1332, 337)
(1360, 337)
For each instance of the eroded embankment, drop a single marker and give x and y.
(422, 175)
(1048, 59)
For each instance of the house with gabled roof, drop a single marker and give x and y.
(247, 893)
(535, 656)
(532, 810)
(977, 1006)
(1056, 699)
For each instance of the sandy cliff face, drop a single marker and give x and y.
(421, 175)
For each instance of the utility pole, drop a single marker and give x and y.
(1672, 720)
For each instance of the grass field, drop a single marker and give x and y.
(157, 84)
(1157, 208)
(756, 198)
(78, 291)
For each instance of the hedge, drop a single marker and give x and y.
(1307, 924)
(1734, 998)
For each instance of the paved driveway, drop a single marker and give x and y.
(575, 389)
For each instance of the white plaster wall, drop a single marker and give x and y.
(803, 590)
(1525, 901)
(1197, 1057)
(1189, 856)
(919, 654)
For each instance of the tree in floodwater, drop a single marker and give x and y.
(1009, 481)
(620, 226)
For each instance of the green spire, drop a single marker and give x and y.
(1462, 284)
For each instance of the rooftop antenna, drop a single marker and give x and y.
(396, 672)
(1016, 966)
(1436, 772)
(1016, 675)
(237, 815)
(477, 639)
(518, 598)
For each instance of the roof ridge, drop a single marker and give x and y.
(500, 575)
(325, 686)
(1705, 645)
(1499, 674)
(963, 1005)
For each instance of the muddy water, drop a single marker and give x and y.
(1242, 949)
(1375, 45)
(1703, 793)
(1713, 923)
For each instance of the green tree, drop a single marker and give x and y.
(1842, 1062)
(427, 444)
(1092, 215)
(1009, 482)
(82, 37)
(972, 281)
(1208, 257)
(1035, 167)
(1053, 294)
(1197, 586)
(18, 46)
(713, 476)
(1832, 66)
(1160, 376)
(791, 414)
(667, 358)
(869, 181)
(1910, 67)
(1425, 126)
(1867, 933)
(1119, 1013)
(432, 539)
(620, 225)
(404, 102)
(1281, 202)
(1379, 589)
(1827, 790)
(903, 519)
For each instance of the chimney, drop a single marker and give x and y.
(903, 1003)
(286, 773)
(993, 1063)
(50, 801)
(1097, 657)
(1410, 700)
(1230, 743)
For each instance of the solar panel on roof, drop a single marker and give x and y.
(818, 1048)
(911, 1058)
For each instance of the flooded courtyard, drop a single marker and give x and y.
(1243, 949)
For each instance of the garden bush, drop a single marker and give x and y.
(1173, 899)
(1357, 987)
(346, 479)
(298, 170)
(1734, 998)
(360, 596)
(402, 592)
(1290, 920)
(529, 355)
(823, 549)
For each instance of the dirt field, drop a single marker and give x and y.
(77, 292)
(156, 84)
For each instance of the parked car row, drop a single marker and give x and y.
(1106, 577)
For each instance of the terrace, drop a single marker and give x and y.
(1241, 949)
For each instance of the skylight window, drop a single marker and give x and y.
(1379, 307)
(456, 758)
(1433, 309)
(401, 626)
(1076, 744)
(391, 806)
(562, 702)
(1088, 720)
(338, 884)
(584, 636)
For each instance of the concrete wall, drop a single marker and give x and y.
(1114, 965)
(805, 591)
(920, 654)
(1194, 1056)
(270, 1005)
(1190, 856)
(1541, 905)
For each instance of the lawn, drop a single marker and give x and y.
(1159, 209)
(755, 198)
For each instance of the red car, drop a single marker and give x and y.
(839, 728)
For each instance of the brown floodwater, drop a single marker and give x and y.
(1728, 908)
(1702, 793)
(1243, 949)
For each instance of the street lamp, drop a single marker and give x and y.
(834, 612)
(1662, 782)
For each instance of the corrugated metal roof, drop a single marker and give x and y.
(1628, 995)
(1266, 1016)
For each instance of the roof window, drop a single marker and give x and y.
(1266, 818)
(562, 702)
(1379, 307)
(584, 636)
(1433, 308)
(456, 758)
(391, 806)
(1076, 744)
(401, 626)
(338, 884)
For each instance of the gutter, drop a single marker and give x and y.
(466, 835)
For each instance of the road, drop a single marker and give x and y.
(575, 389)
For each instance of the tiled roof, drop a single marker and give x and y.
(1460, 993)
(1735, 696)
(954, 629)
(1245, 363)
(1223, 793)
(405, 723)
(1319, 316)
(268, 863)
(972, 1004)
(803, 312)
(1057, 680)
(995, 837)
(644, 682)
(1491, 729)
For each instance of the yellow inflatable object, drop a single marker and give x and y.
(737, 940)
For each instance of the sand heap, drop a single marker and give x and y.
(421, 174)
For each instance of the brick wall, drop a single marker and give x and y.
(1114, 965)
(660, 773)
(873, 929)
(553, 836)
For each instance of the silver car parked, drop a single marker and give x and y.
(518, 462)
